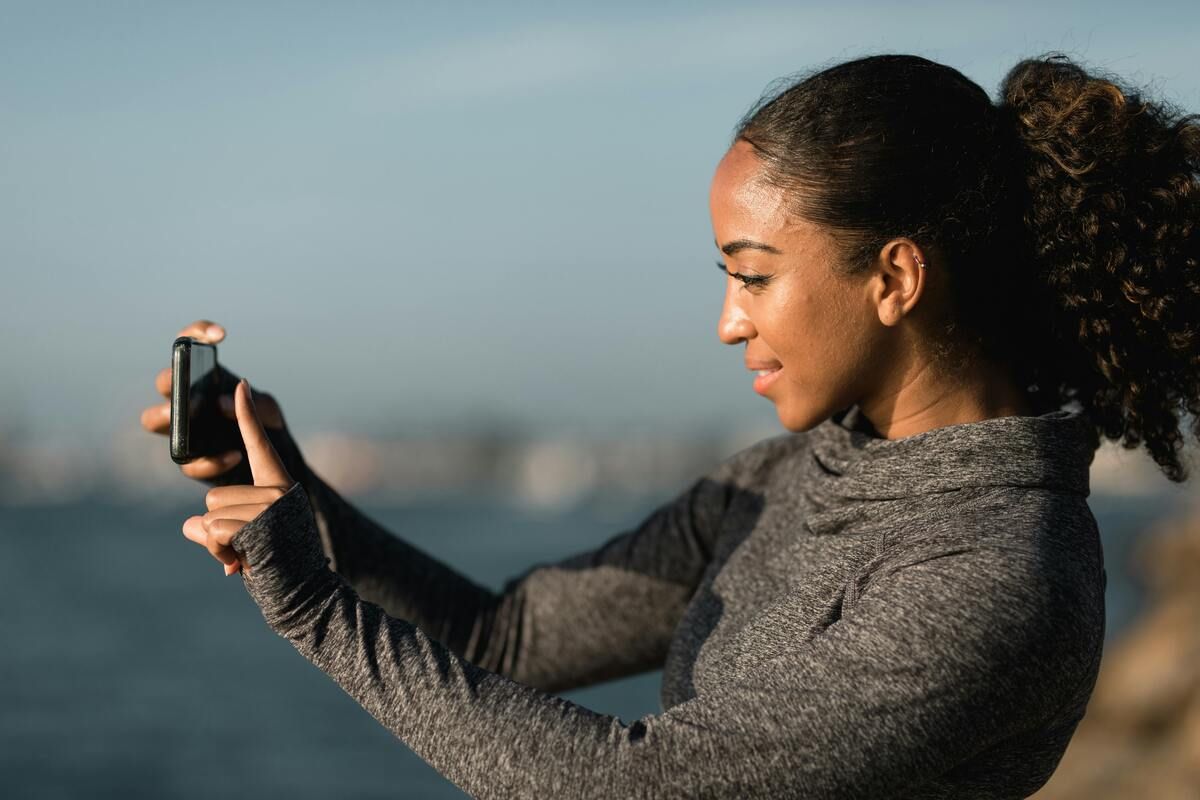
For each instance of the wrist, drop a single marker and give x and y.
(280, 548)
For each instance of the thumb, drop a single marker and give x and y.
(265, 465)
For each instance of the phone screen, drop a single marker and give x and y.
(202, 381)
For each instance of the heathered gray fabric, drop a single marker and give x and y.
(836, 614)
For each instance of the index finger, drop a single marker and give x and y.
(265, 464)
(204, 330)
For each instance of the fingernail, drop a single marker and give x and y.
(215, 330)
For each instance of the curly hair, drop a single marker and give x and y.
(1065, 215)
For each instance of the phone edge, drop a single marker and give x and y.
(181, 363)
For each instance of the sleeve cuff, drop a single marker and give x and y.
(282, 551)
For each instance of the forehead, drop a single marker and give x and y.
(743, 204)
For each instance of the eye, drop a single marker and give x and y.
(747, 280)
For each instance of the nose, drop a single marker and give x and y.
(734, 326)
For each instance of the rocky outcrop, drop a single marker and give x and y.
(1141, 735)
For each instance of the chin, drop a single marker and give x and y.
(799, 420)
(796, 420)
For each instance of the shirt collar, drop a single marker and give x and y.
(1052, 451)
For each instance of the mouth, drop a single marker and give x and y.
(763, 378)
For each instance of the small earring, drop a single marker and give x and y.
(920, 263)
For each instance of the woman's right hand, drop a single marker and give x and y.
(157, 418)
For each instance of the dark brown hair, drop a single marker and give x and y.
(1066, 217)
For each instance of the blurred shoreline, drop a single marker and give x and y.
(552, 472)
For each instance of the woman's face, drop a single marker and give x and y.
(821, 332)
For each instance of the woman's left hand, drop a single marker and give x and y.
(231, 507)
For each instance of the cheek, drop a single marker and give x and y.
(784, 321)
(799, 333)
(816, 345)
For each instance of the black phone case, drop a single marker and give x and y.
(209, 432)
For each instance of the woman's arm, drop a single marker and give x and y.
(595, 616)
(599, 615)
(947, 649)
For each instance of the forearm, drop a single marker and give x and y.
(490, 735)
(555, 626)
(384, 569)
(403, 580)
(601, 614)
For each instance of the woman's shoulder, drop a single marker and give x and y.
(1031, 554)
(1029, 517)
(1034, 531)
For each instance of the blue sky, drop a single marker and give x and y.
(408, 214)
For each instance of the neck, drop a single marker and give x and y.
(924, 400)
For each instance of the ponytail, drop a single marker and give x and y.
(1112, 214)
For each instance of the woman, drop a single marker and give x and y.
(903, 596)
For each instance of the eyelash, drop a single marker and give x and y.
(747, 280)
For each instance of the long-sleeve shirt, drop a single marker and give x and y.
(836, 615)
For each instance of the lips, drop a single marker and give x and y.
(758, 366)
(766, 371)
(765, 376)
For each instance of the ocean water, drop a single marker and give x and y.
(132, 667)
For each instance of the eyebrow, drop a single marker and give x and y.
(745, 244)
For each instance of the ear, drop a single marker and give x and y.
(902, 280)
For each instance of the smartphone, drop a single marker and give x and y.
(198, 428)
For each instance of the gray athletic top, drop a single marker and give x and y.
(836, 615)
